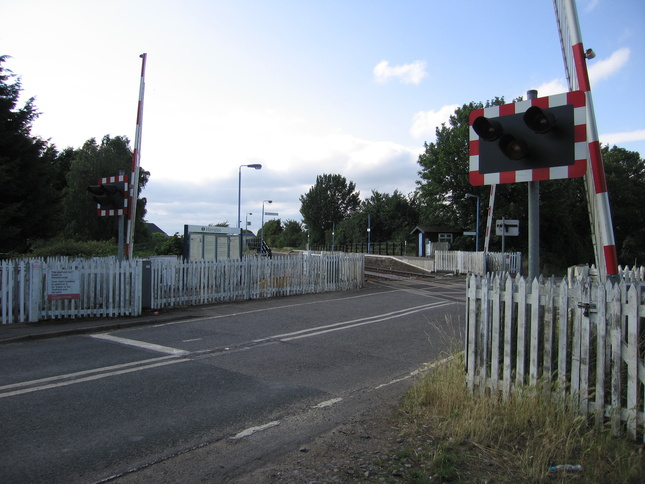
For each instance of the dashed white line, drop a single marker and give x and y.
(328, 403)
(252, 430)
(142, 344)
(426, 367)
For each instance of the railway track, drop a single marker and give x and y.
(390, 274)
(437, 280)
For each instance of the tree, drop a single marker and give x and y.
(331, 200)
(171, 245)
(90, 163)
(444, 170)
(28, 200)
(271, 232)
(625, 173)
(292, 235)
(393, 217)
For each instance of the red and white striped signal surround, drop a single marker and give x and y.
(122, 211)
(579, 167)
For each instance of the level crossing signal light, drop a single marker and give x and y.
(111, 195)
(537, 139)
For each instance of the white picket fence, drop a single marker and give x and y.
(197, 282)
(584, 340)
(461, 262)
(33, 289)
(102, 287)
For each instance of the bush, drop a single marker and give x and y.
(172, 246)
(73, 248)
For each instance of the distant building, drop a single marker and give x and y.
(432, 238)
(154, 229)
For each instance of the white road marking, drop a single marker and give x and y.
(423, 369)
(160, 362)
(81, 373)
(305, 333)
(141, 344)
(275, 308)
(176, 354)
(252, 430)
(328, 403)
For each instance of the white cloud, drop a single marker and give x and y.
(625, 137)
(598, 71)
(424, 123)
(407, 73)
(556, 86)
(591, 4)
(602, 69)
(197, 181)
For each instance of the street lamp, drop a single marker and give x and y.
(470, 195)
(246, 220)
(333, 237)
(257, 166)
(369, 232)
(262, 227)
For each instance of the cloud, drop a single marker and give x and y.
(598, 71)
(602, 69)
(549, 88)
(424, 123)
(625, 137)
(591, 5)
(407, 73)
(200, 184)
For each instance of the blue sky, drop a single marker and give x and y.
(305, 87)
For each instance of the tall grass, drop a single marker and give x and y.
(517, 440)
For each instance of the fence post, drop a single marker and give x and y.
(631, 357)
(509, 336)
(35, 290)
(472, 348)
(146, 284)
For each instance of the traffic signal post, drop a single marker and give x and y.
(111, 197)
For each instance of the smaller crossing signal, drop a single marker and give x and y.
(111, 195)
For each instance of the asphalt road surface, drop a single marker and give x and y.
(220, 391)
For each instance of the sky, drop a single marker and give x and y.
(305, 88)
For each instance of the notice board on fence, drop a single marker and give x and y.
(63, 284)
(211, 243)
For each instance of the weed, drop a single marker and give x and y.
(478, 437)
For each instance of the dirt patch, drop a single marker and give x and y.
(384, 446)
(356, 451)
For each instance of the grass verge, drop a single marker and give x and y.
(456, 436)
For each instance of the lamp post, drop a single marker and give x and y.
(257, 166)
(333, 237)
(246, 220)
(369, 232)
(470, 195)
(262, 227)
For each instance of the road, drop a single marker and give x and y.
(218, 392)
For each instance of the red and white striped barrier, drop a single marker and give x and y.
(600, 211)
